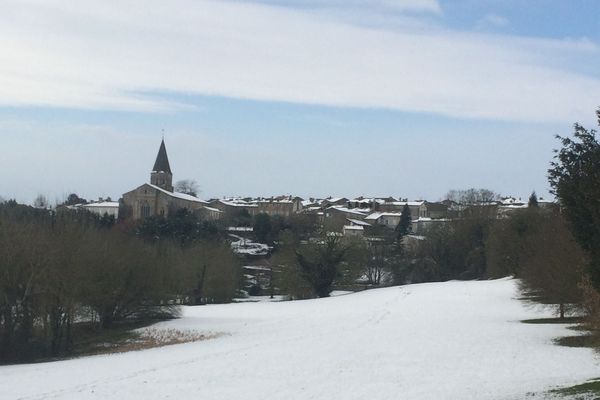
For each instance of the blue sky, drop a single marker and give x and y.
(406, 98)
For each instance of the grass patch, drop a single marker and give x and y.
(90, 340)
(151, 338)
(587, 390)
(578, 341)
(566, 320)
(590, 340)
(133, 337)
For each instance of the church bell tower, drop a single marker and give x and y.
(161, 174)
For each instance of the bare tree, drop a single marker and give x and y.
(377, 262)
(41, 201)
(472, 196)
(187, 186)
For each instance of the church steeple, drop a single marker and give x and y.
(162, 161)
(161, 174)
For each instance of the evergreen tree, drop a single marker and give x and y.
(403, 227)
(262, 227)
(574, 177)
(533, 200)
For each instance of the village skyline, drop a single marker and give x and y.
(192, 187)
(402, 98)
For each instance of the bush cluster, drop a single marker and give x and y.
(60, 269)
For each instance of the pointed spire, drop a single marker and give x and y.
(162, 161)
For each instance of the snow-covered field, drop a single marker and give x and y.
(454, 340)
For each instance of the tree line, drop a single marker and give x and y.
(62, 270)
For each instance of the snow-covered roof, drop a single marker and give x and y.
(286, 201)
(409, 203)
(353, 228)
(540, 200)
(510, 200)
(348, 210)
(368, 200)
(240, 229)
(237, 203)
(182, 196)
(335, 199)
(100, 204)
(513, 206)
(376, 215)
(358, 222)
(213, 209)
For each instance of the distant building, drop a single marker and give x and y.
(334, 201)
(282, 206)
(388, 219)
(158, 196)
(353, 230)
(417, 208)
(110, 208)
(436, 210)
(234, 206)
(336, 217)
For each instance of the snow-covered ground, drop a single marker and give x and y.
(454, 340)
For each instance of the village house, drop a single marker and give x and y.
(363, 203)
(417, 208)
(388, 219)
(110, 208)
(335, 217)
(283, 206)
(234, 206)
(353, 231)
(436, 210)
(211, 213)
(334, 201)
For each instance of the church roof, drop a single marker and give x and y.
(177, 195)
(162, 161)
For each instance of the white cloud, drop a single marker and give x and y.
(401, 6)
(101, 55)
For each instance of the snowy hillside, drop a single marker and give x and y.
(454, 340)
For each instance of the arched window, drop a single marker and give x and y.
(145, 210)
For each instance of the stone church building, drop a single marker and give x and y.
(158, 196)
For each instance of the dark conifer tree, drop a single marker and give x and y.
(262, 227)
(403, 227)
(574, 177)
(533, 200)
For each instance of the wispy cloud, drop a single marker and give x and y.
(402, 6)
(105, 55)
(492, 21)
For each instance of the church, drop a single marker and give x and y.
(158, 197)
